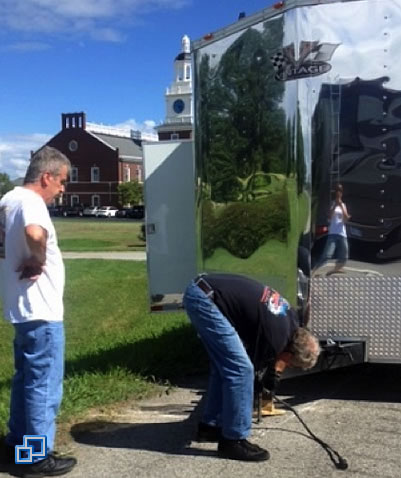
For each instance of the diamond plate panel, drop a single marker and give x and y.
(364, 307)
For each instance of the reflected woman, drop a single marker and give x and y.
(337, 244)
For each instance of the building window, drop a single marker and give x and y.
(180, 74)
(95, 174)
(188, 72)
(74, 175)
(95, 200)
(127, 174)
(174, 136)
(139, 174)
(74, 200)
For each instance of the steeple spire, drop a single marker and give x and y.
(185, 44)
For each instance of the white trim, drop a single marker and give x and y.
(123, 157)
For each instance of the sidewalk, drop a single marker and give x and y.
(122, 256)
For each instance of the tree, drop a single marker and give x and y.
(130, 193)
(5, 184)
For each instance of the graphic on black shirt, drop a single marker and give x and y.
(275, 302)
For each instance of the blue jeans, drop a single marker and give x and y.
(229, 399)
(37, 385)
(336, 247)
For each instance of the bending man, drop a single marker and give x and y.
(245, 327)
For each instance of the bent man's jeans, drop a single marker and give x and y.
(229, 399)
(37, 385)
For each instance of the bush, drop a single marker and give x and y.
(241, 228)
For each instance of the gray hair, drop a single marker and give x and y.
(305, 349)
(46, 160)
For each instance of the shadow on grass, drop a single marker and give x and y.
(171, 355)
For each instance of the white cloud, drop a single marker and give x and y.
(146, 127)
(99, 19)
(15, 152)
(107, 35)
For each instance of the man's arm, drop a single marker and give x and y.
(345, 212)
(36, 238)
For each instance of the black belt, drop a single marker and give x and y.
(204, 286)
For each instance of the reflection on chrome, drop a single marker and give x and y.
(252, 167)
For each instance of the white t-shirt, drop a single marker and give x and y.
(337, 225)
(25, 300)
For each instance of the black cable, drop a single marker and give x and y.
(340, 463)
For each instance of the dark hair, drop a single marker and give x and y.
(46, 160)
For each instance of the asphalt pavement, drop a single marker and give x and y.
(355, 410)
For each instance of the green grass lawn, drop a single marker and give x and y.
(80, 234)
(115, 348)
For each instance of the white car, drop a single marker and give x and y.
(90, 211)
(106, 211)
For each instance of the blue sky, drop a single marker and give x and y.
(112, 59)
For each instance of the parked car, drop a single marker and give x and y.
(55, 210)
(138, 212)
(91, 211)
(72, 211)
(106, 211)
(124, 212)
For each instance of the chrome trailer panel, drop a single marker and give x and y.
(288, 103)
(323, 79)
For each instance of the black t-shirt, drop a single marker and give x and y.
(263, 319)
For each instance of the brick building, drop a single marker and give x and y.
(101, 157)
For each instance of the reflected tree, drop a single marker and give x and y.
(242, 140)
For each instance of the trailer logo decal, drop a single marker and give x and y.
(312, 60)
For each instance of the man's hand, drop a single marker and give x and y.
(30, 269)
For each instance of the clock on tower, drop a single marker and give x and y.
(178, 106)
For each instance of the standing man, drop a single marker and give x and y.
(32, 285)
(245, 327)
